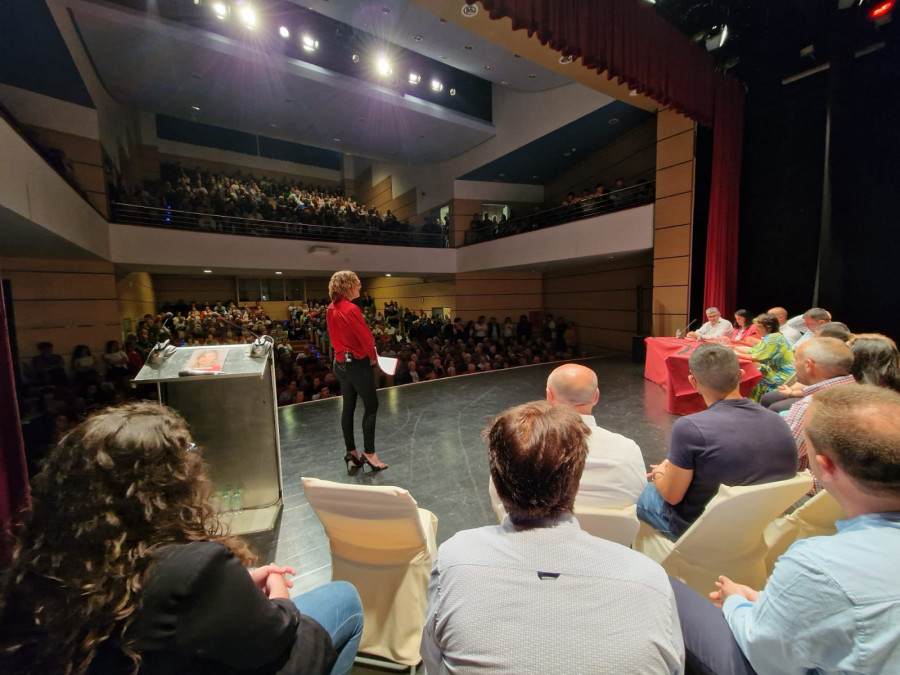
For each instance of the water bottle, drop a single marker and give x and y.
(226, 508)
(237, 502)
(678, 334)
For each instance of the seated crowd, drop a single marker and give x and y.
(216, 199)
(829, 606)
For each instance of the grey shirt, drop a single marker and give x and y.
(548, 599)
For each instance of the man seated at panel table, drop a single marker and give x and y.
(733, 442)
(714, 327)
(832, 604)
(537, 594)
(790, 332)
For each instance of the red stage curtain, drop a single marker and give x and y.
(629, 41)
(14, 492)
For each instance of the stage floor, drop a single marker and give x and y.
(430, 435)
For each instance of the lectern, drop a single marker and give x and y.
(227, 396)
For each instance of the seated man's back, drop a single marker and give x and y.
(614, 472)
(547, 600)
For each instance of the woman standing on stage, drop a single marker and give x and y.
(354, 356)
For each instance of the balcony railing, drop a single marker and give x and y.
(391, 234)
(624, 198)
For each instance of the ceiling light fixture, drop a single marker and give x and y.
(278, 273)
(193, 107)
(414, 78)
(220, 9)
(355, 58)
(207, 271)
(566, 60)
(248, 16)
(310, 44)
(436, 85)
(387, 274)
(284, 32)
(382, 65)
(418, 38)
(453, 92)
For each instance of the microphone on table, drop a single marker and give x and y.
(162, 350)
(680, 333)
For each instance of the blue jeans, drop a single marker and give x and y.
(650, 510)
(336, 607)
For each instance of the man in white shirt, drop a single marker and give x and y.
(614, 473)
(714, 327)
(790, 332)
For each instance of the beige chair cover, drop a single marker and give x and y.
(815, 518)
(618, 525)
(728, 538)
(383, 544)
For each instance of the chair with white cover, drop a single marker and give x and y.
(615, 524)
(618, 525)
(727, 538)
(383, 544)
(815, 518)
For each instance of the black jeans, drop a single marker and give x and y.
(357, 380)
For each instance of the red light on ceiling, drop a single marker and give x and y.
(881, 9)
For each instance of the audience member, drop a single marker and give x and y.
(594, 600)
(831, 604)
(876, 360)
(614, 472)
(733, 442)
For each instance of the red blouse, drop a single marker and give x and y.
(348, 331)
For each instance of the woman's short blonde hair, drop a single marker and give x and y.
(343, 284)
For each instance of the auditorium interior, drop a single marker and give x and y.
(771, 182)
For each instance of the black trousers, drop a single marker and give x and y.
(357, 382)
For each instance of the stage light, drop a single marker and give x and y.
(310, 44)
(881, 9)
(382, 65)
(436, 86)
(220, 9)
(414, 78)
(453, 92)
(355, 58)
(248, 16)
(284, 32)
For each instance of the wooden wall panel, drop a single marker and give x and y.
(136, 297)
(171, 288)
(602, 301)
(673, 211)
(673, 241)
(672, 222)
(66, 302)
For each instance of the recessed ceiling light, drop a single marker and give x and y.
(193, 107)
(418, 38)
(310, 44)
(504, 83)
(220, 9)
(565, 60)
(207, 271)
(614, 120)
(453, 92)
(355, 58)
(273, 125)
(337, 140)
(633, 92)
(277, 272)
(436, 85)
(284, 32)
(469, 11)
(388, 274)
(488, 67)
(414, 78)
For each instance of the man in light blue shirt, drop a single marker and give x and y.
(832, 604)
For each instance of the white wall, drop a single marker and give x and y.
(519, 117)
(37, 110)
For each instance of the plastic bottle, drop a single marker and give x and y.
(237, 502)
(226, 508)
(678, 334)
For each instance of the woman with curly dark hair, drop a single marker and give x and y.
(124, 568)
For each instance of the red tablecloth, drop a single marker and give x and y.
(667, 365)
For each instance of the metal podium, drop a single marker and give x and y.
(227, 396)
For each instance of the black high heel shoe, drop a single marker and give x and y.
(350, 458)
(381, 466)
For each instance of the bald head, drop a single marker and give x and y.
(822, 358)
(575, 386)
(779, 313)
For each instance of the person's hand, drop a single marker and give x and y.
(260, 575)
(785, 390)
(725, 587)
(277, 587)
(657, 468)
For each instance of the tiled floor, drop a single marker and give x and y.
(430, 434)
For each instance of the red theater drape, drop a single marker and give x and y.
(14, 494)
(629, 41)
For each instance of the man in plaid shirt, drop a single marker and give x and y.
(821, 362)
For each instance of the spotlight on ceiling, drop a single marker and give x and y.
(715, 37)
(220, 9)
(414, 78)
(382, 65)
(453, 92)
(355, 58)
(248, 16)
(436, 85)
(310, 44)
(284, 32)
